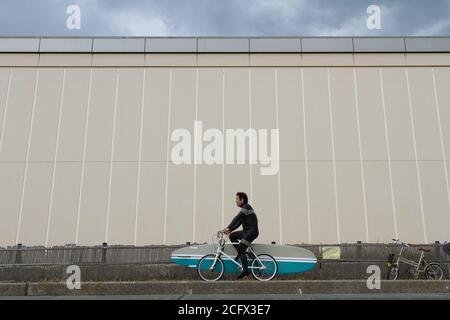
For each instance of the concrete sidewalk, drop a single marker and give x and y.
(225, 287)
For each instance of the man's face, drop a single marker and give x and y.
(239, 202)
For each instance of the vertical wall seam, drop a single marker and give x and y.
(223, 130)
(308, 208)
(167, 156)
(436, 100)
(19, 220)
(279, 167)
(83, 159)
(196, 52)
(333, 157)
(419, 180)
(363, 179)
(55, 157)
(388, 149)
(108, 207)
(405, 52)
(250, 125)
(195, 161)
(2, 134)
(5, 111)
(138, 183)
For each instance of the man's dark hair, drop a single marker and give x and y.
(242, 196)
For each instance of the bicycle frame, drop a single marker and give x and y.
(412, 263)
(220, 252)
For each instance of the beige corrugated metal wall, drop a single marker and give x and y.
(364, 147)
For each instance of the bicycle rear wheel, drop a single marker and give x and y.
(207, 270)
(434, 271)
(264, 267)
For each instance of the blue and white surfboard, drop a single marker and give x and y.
(289, 259)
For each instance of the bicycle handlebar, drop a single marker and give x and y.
(220, 234)
(401, 242)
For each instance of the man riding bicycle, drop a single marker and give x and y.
(246, 217)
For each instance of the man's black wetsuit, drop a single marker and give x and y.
(246, 217)
(249, 221)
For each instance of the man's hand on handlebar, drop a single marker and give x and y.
(226, 231)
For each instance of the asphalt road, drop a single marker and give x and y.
(373, 296)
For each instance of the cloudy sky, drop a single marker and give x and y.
(224, 17)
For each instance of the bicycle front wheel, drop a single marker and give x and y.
(264, 267)
(209, 268)
(434, 271)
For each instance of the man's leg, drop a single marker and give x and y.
(243, 256)
(241, 249)
(235, 237)
(246, 241)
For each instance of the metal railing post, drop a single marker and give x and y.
(104, 248)
(18, 259)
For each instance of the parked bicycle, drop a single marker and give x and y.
(211, 267)
(432, 271)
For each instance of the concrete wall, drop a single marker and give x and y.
(84, 148)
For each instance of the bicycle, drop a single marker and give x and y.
(211, 266)
(432, 271)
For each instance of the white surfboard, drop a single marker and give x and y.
(289, 259)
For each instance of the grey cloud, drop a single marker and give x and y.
(224, 17)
